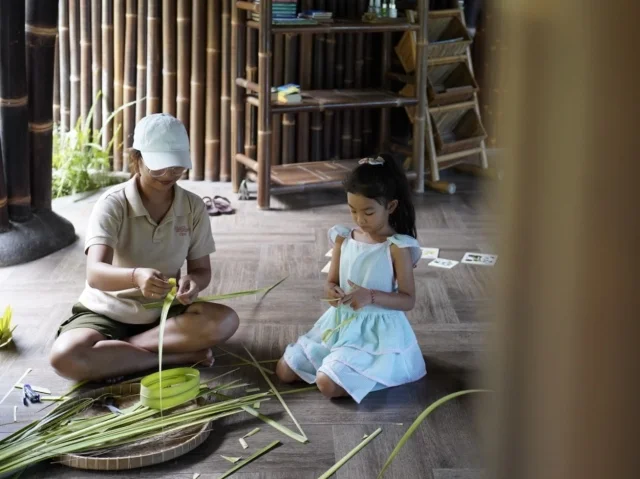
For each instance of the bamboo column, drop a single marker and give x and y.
(14, 110)
(421, 124)
(226, 141)
(251, 74)
(289, 119)
(107, 70)
(141, 62)
(129, 83)
(184, 61)
(169, 60)
(198, 66)
(278, 79)
(264, 98)
(56, 84)
(565, 347)
(153, 57)
(96, 61)
(212, 91)
(63, 41)
(85, 59)
(238, 45)
(119, 34)
(74, 55)
(42, 30)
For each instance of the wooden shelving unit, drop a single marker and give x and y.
(247, 93)
(454, 131)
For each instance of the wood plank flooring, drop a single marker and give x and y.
(451, 320)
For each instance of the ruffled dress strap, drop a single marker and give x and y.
(405, 241)
(338, 230)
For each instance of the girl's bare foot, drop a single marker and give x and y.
(203, 358)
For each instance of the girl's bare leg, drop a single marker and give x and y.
(84, 353)
(328, 388)
(285, 373)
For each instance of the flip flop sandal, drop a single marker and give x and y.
(212, 209)
(223, 205)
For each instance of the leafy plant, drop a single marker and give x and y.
(6, 331)
(80, 162)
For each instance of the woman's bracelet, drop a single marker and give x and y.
(133, 277)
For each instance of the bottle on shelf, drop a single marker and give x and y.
(393, 11)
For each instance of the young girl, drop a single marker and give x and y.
(364, 342)
(140, 233)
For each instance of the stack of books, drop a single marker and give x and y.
(320, 16)
(284, 12)
(289, 93)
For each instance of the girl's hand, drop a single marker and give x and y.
(187, 290)
(151, 283)
(358, 298)
(333, 291)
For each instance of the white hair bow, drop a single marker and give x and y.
(372, 161)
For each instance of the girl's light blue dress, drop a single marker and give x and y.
(375, 350)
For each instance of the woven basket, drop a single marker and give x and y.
(457, 130)
(409, 91)
(164, 448)
(406, 51)
(450, 83)
(448, 37)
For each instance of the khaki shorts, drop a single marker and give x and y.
(110, 328)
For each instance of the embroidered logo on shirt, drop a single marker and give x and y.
(182, 230)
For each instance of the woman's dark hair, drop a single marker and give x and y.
(135, 158)
(385, 183)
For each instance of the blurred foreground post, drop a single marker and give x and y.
(569, 306)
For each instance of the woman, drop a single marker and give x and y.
(140, 233)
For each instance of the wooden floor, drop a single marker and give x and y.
(256, 249)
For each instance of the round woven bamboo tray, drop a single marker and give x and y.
(150, 452)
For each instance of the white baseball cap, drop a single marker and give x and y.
(163, 142)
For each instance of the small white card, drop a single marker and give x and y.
(326, 268)
(479, 258)
(329, 253)
(430, 253)
(443, 263)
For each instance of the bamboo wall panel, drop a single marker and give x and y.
(86, 90)
(129, 83)
(169, 60)
(107, 70)
(184, 61)
(153, 57)
(56, 84)
(96, 61)
(225, 95)
(119, 34)
(251, 73)
(64, 69)
(198, 65)
(74, 54)
(141, 61)
(212, 89)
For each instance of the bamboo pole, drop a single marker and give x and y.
(289, 119)
(153, 57)
(107, 70)
(85, 59)
(385, 66)
(278, 77)
(212, 114)
(198, 66)
(56, 84)
(264, 115)
(14, 110)
(42, 31)
(347, 115)
(141, 61)
(226, 158)
(251, 74)
(129, 83)
(74, 55)
(119, 34)
(65, 93)
(184, 61)
(237, 44)
(421, 122)
(169, 60)
(96, 62)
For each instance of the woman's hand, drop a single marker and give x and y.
(358, 298)
(187, 290)
(151, 283)
(333, 291)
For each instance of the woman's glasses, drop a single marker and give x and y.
(175, 171)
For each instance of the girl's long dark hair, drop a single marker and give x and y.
(385, 183)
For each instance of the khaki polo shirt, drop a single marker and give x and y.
(120, 220)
